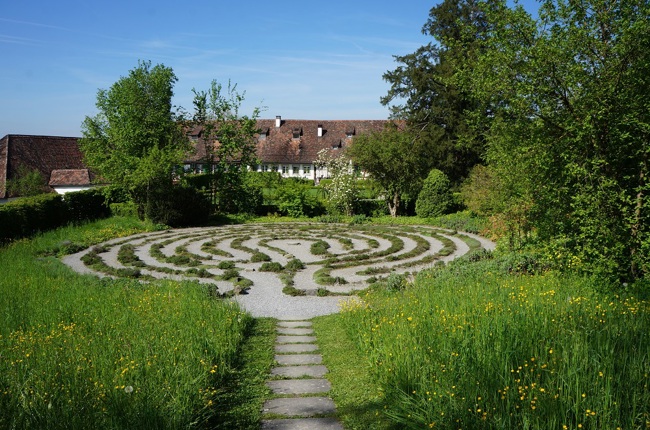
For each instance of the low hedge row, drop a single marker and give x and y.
(30, 215)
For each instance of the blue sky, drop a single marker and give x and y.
(299, 59)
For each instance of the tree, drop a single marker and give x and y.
(434, 106)
(342, 192)
(27, 182)
(394, 159)
(228, 141)
(569, 124)
(136, 139)
(435, 197)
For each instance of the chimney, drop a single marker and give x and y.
(278, 121)
(320, 130)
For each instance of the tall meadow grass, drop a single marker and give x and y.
(466, 347)
(77, 352)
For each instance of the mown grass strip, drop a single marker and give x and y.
(359, 402)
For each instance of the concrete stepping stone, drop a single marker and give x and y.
(299, 386)
(302, 375)
(295, 339)
(316, 371)
(295, 331)
(294, 324)
(300, 406)
(302, 424)
(298, 359)
(294, 348)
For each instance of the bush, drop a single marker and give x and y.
(178, 206)
(295, 199)
(271, 266)
(29, 215)
(294, 265)
(435, 197)
(87, 205)
(124, 209)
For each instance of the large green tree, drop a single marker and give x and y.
(424, 93)
(394, 159)
(569, 123)
(136, 139)
(228, 141)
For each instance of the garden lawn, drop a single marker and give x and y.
(468, 347)
(77, 352)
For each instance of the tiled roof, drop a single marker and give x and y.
(294, 142)
(42, 153)
(70, 177)
(298, 141)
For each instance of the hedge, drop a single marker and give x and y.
(29, 215)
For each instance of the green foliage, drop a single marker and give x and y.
(358, 397)
(86, 205)
(481, 192)
(294, 265)
(514, 352)
(136, 139)
(435, 197)
(394, 159)
(26, 183)
(319, 247)
(295, 199)
(271, 266)
(27, 216)
(342, 189)
(217, 115)
(569, 126)
(105, 353)
(226, 264)
(259, 257)
(177, 206)
(434, 106)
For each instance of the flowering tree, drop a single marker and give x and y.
(342, 193)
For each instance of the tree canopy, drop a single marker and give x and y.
(228, 140)
(137, 138)
(424, 93)
(394, 159)
(569, 123)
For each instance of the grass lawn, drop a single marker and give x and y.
(80, 352)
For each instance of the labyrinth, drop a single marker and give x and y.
(316, 260)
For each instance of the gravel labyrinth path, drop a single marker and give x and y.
(291, 272)
(318, 264)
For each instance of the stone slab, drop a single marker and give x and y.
(315, 371)
(300, 406)
(294, 324)
(295, 331)
(298, 359)
(295, 339)
(300, 386)
(302, 424)
(296, 347)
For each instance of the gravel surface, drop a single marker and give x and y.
(282, 243)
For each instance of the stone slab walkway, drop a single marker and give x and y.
(300, 390)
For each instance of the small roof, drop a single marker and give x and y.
(69, 177)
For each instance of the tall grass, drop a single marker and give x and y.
(77, 352)
(466, 347)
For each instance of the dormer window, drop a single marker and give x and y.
(297, 132)
(339, 145)
(264, 133)
(349, 132)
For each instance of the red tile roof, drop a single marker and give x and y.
(42, 153)
(70, 177)
(278, 144)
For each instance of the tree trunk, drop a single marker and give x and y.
(394, 205)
